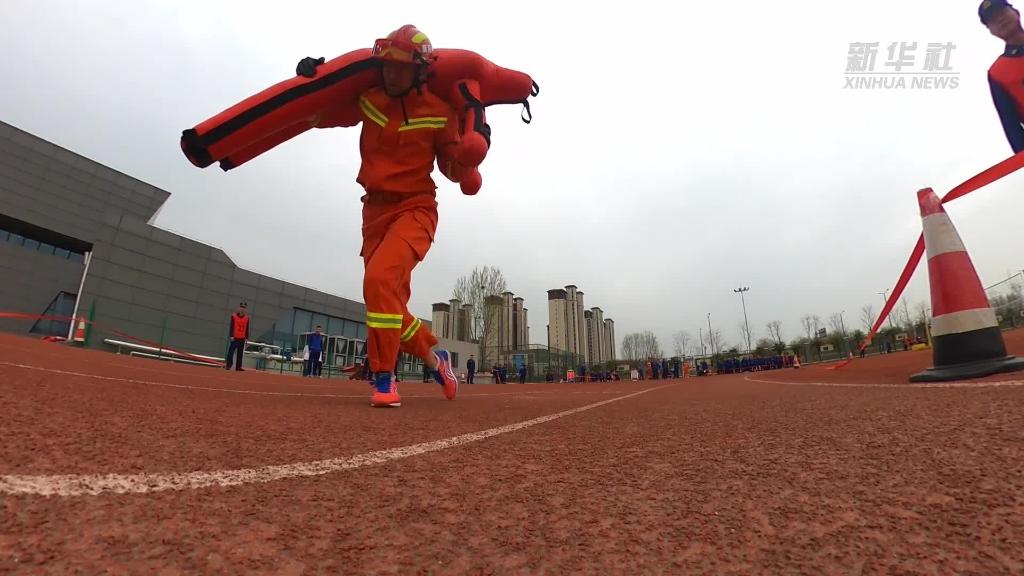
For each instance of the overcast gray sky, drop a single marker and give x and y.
(678, 151)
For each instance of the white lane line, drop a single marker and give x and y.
(169, 385)
(959, 384)
(260, 393)
(94, 484)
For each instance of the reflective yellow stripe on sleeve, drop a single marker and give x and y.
(372, 112)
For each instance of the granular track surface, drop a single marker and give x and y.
(778, 472)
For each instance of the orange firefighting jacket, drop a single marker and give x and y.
(400, 139)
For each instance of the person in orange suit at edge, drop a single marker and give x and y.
(405, 128)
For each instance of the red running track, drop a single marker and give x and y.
(168, 469)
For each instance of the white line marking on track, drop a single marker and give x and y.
(265, 393)
(169, 385)
(959, 384)
(94, 484)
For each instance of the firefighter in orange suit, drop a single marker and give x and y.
(405, 128)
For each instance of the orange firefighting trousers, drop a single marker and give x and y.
(398, 230)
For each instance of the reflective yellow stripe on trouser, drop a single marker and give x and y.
(411, 330)
(384, 321)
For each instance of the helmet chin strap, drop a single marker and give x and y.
(417, 83)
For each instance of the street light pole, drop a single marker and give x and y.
(910, 324)
(746, 324)
(480, 329)
(842, 326)
(885, 299)
(711, 337)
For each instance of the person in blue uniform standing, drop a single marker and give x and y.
(1006, 75)
(316, 351)
(470, 369)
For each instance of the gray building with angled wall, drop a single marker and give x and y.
(57, 207)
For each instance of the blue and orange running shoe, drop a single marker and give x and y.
(385, 392)
(444, 374)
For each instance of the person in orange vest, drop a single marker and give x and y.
(405, 129)
(1006, 76)
(238, 333)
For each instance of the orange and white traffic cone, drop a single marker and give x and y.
(967, 340)
(79, 335)
(796, 361)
